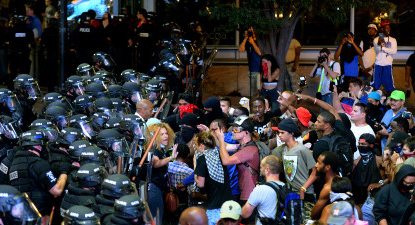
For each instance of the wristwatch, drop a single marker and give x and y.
(381, 182)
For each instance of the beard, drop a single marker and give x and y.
(320, 172)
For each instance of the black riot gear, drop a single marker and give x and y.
(48, 129)
(128, 207)
(84, 104)
(93, 154)
(84, 69)
(31, 138)
(103, 61)
(60, 104)
(153, 89)
(75, 85)
(114, 91)
(108, 77)
(58, 116)
(80, 215)
(132, 124)
(113, 123)
(91, 175)
(9, 128)
(143, 78)
(116, 186)
(76, 148)
(119, 107)
(96, 90)
(98, 121)
(104, 105)
(8, 101)
(132, 92)
(28, 87)
(52, 97)
(113, 141)
(69, 135)
(129, 75)
(81, 121)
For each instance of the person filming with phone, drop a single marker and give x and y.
(385, 46)
(328, 70)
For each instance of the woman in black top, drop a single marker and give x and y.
(163, 142)
(270, 74)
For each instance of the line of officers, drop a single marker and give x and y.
(75, 144)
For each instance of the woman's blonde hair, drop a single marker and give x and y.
(207, 139)
(151, 130)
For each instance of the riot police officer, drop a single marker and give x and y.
(113, 188)
(104, 105)
(17, 208)
(27, 91)
(114, 143)
(93, 154)
(103, 61)
(32, 174)
(98, 121)
(128, 210)
(49, 98)
(131, 93)
(81, 122)
(89, 178)
(114, 91)
(84, 104)
(84, 39)
(9, 104)
(85, 70)
(74, 86)
(9, 135)
(77, 215)
(58, 116)
(96, 90)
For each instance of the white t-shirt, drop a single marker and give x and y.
(264, 198)
(326, 78)
(358, 131)
(384, 54)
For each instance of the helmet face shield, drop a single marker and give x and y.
(25, 210)
(51, 134)
(79, 88)
(120, 147)
(10, 130)
(12, 102)
(87, 129)
(153, 96)
(136, 97)
(62, 122)
(32, 90)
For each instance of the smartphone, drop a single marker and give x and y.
(331, 88)
(381, 36)
(302, 78)
(366, 89)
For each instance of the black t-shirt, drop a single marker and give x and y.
(158, 174)
(322, 146)
(217, 193)
(261, 126)
(411, 63)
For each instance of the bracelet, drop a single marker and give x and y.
(315, 100)
(305, 189)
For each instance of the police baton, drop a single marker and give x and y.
(149, 147)
(160, 108)
(119, 165)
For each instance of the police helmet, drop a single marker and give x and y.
(91, 175)
(76, 84)
(28, 85)
(104, 61)
(98, 120)
(84, 102)
(113, 123)
(128, 207)
(81, 121)
(9, 99)
(80, 215)
(31, 138)
(143, 78)
(76, 148)
(52, 97)
(60, 104)
(116, 186)
(96, 90)
(108, 77)
(84, 69)
(46, 126)
(131, 123)
(118, 104)
(9, 127)
(114, 91)
(69, 135)
(131, 91)
(93, 154)
(153, 85)
(107, 137)
(103, 104)
(57, 115)
(129, 75)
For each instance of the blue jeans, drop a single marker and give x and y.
(155, 201)
(367, 211)
(382, 75)
(213, 216)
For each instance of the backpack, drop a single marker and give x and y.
(289, 206)
(263, 152)
(341, 146)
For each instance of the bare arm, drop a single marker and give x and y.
(157, 162)
(274, 75)
(321, 104)
(58, 188)
(329, 71)
(339, 50)
(227, 160)
(336, 101)
(256, 48)
(242, 45)
(247, 210)
(321, 203)
(313, 71)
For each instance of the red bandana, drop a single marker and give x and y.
(186, 109)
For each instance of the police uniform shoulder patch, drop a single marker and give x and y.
(50, 176)
(13, 175)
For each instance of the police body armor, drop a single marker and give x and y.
(77, 196)
(6, 162)
(103, 208)
(22, 177)
(56, 157)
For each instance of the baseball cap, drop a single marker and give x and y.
(397, 138)
(244, 122)
(303, 116)
(384, 23)
(397, 95)
(372, 26)
(340, 212)
(289, 126)
(368, 138)
(230, 209)
(374, 95)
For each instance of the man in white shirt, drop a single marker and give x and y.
(385, 46)
(144, 110)
(359, 125)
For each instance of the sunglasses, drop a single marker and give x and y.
(237, 129)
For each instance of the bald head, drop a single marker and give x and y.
(144, 108)
(193, 216)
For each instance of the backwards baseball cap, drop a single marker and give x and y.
(397, 138)
(244, 122)
(230, 209)
(374, 95)
(372, 26)
(340, 212)
(303, 115)
(397, 95)
(289, 125)
(368, 138)
(384, 23)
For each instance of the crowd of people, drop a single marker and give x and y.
(118, 146)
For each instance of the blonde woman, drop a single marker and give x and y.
(163, 142)
(212, 175)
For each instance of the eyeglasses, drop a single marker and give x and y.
(237, 129)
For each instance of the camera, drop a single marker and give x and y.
(332, 84)
(407, 115)
(378, 126)
(366, 89)
(322, 59)
(250, 33)
(303, 81)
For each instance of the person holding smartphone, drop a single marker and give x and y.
(385, 47)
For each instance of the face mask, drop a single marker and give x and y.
(364, 149)
(187, 134)
(407, 155)
(183, 109)
(406, 188)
